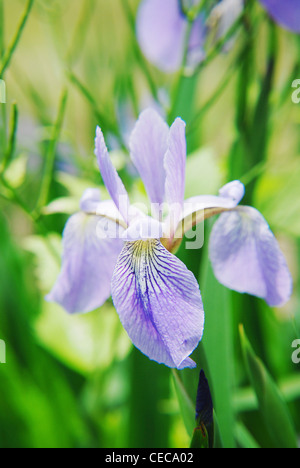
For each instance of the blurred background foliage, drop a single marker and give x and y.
(77, 381)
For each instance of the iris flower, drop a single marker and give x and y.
(161, 27)
(113, 248)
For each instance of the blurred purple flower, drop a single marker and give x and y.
(111, 247)
(284, 12)
(161, 27)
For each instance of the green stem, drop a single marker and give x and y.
(8, 155)
(100, 116)
(31, 215)
(50, 155)
(141, 60)
(12, 46)
(1, 29)
(175, 92)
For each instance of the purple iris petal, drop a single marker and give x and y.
(161, 28)
(87, 267)
(110, 176)
(148, 145)
(159, 303)
(284, 12)
(246, 256)
(175, 160)
(90, 200)
(229, 197)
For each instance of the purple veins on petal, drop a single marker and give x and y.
(159, 303)
(246, 256)
(88, 262)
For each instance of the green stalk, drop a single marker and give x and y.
(12, 46)
(8, 155)
(51, 152)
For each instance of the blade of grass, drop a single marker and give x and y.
(218, 346)
(1, 29)
(15, 40)
(244, 438)
(8, 155)
(102, 118)
(272, 407)
(50, 155)
(80, 33)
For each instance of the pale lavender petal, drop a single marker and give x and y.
(246, 256)
(160, 32)
(110, 176)
(90, 200)
(175, 161)
(284, 12)
(89, 258)
(148, 145)
(229, 197)
(161, 29)
(159, 303)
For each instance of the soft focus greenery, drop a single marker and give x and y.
(76, 381)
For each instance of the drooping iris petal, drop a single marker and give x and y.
(159, 303)
(90, 200)
(148, 145)
(89, 258)
(229, 197)
(110, 176)
(175, 160)
(246, 256)
(161, 29)
(284, 12)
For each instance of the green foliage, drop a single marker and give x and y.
(76, 381)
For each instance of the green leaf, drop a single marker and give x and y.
(276, 195)
(186, 404)
(271, 404)
(244, 438)
(218, 346)
(203, 174)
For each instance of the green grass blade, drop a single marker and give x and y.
(271, 404)
(218, 346)
(50, 155)
(12, 46)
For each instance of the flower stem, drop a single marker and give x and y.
(11, 48)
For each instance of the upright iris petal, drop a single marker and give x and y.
(110, 176)
(246, 256)
(284, 12)
(148, 145)
(159, 303)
